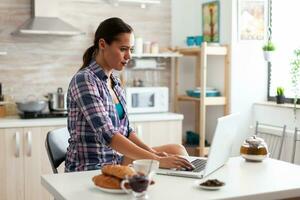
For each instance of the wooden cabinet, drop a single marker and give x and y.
(201, 54)
(158, 133)
(22, 162)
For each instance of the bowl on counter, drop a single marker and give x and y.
(31, 105)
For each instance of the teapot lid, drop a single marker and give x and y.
(254, 140)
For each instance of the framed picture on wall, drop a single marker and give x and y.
(211, 21)
(252, 19)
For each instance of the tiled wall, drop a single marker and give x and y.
(39, 64)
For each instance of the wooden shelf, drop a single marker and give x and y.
(147, 68)
(209, 101)
(210, 50)
(3, 53)
(201, 67)
(4, 102)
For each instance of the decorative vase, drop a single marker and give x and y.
(268, 55)
(280, 99)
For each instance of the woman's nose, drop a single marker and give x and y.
(128, 55)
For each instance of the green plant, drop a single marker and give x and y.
(280, 91)
(295, 78)
(269, 46)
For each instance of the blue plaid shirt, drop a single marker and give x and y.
(93, 120)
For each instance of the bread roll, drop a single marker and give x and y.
(118, 171)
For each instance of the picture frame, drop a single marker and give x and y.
(211, 22)
(252, 20)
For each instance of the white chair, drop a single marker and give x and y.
(274, 137)
(296, 140)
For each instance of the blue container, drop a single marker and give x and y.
(198, 40)
(190, 40)
(209, 93)
(192, 138)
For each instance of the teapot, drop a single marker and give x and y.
(254, 149)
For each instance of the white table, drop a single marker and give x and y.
(270, 179)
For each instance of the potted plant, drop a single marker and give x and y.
(268, 49)
(295, 78)
(280, 95)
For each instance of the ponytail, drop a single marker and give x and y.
(87, 57)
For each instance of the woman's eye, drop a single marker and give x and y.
(123, 49)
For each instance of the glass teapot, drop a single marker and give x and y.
(254, 149)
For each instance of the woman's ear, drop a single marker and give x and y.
(102, 44)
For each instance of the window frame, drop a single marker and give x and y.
(273, 98)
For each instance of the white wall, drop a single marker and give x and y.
(248, 70)
(248, 77)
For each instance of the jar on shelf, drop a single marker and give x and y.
(147, 47)
(154, 48)
(138, 46)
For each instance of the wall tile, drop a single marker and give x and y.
(39, 64)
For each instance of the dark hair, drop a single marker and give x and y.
(109, 30)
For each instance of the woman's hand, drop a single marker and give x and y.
(173, 161)
(160, 154)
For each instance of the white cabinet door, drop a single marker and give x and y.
(159, 132)
(23, 159)
(11, 164)
(35, 157)
(36, 162)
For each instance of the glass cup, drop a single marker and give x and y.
(146, 167)
(138, 184)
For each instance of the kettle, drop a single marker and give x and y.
(254, 149)
(57, 100)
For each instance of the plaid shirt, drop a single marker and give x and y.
(93, 120)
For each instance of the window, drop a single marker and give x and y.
(286, 37)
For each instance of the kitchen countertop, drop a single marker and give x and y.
(15, 121)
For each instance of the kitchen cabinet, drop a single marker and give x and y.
(23, 156)
(156, 133)
(23, 160)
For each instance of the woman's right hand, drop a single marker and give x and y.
(174, 162)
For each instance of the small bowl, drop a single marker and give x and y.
(190, 40)
(199, 182)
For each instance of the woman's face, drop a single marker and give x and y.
(118, 53)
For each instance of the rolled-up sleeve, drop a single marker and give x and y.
(86, 94)
(130, 130)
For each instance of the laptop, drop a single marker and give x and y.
(219, 151)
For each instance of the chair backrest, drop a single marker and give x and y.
(56, 146)
(296, 139)
(274, 137)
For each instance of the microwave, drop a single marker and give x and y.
(147, 99)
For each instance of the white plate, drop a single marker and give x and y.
(115, 191)
(208, 187)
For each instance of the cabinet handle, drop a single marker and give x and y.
(29, 143)
(17, 137)
(139, 130)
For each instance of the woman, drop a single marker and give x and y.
(97, 117)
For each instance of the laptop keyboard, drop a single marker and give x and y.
(199, 165)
